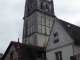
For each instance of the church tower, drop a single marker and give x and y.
(38, 20)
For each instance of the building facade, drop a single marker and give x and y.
(38, 20)
(21, 51)
(64, 41)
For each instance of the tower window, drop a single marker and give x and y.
(46, 7)
(31, 7)
(41, 5)
(34, 4)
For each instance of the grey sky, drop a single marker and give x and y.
(12, 12)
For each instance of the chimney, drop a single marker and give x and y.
(44, 47)
(18, 43)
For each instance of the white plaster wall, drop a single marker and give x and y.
(67, 51)
(15, 54)
(63, 36)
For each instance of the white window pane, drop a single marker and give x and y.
(43, 29)
(47, 22)
(51, 22)
(47, 31)
(39, 19)
(39, 28)
(43, 21)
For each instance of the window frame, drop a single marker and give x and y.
(41, 5)
(11, 55)
(47, 9)
(56, 40)
(59, 55)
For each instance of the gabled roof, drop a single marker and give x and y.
(24, 50)
(72, 30)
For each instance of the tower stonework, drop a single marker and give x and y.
(38, 20)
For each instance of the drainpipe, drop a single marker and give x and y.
(73, 49)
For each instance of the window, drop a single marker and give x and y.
(41, 5)
(41, 55)
(56, 37)
(58, 56)
(34, 4)
(11, 56)
(31, 6)
(46, 7)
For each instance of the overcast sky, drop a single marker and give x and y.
(12, 12)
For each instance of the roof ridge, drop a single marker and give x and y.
(27, 44)
(69, 23)
(72, 30)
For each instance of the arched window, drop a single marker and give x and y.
(41, 5)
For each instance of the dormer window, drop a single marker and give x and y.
(56, 39)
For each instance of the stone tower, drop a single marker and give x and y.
(38, 20)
